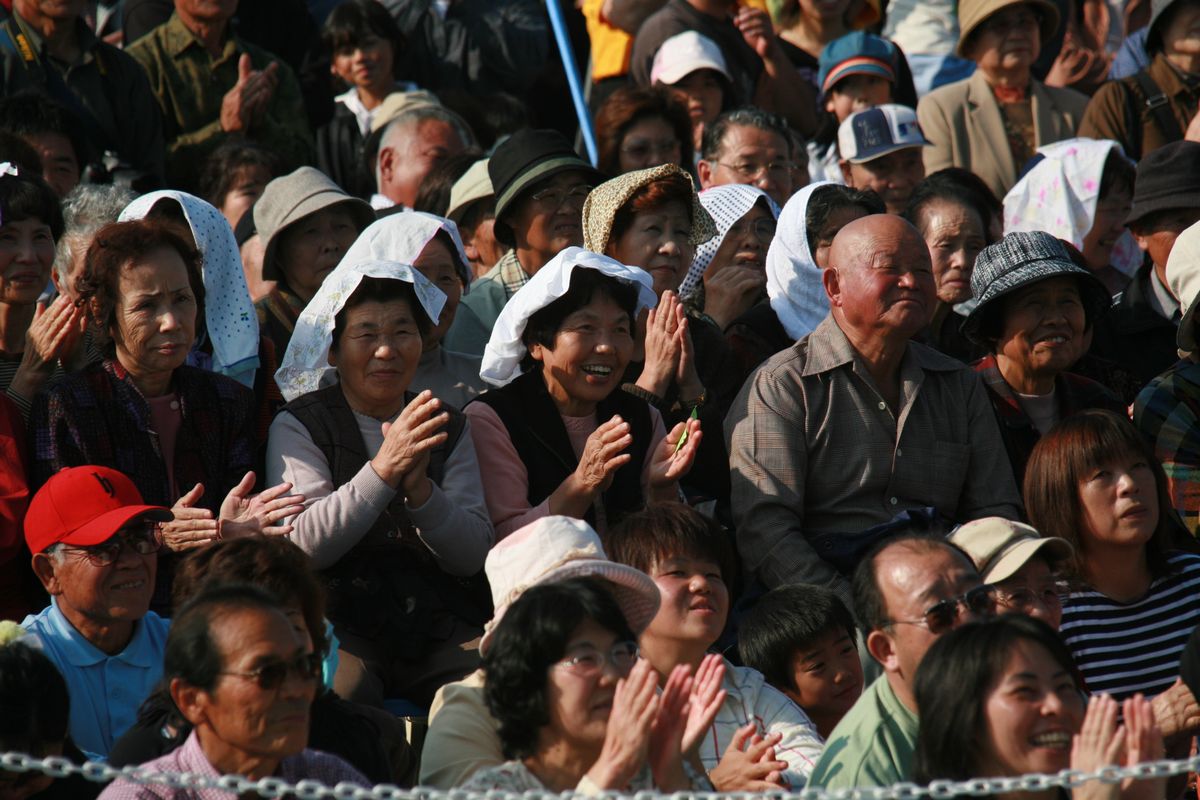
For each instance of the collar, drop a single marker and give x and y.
(510, 273)
(79, 652)
(828, 349)
(1161, 299)
(191, 758)
(178, 39)
(1169, 79)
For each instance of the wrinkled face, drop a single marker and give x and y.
(893, 177)
(889, 287)
(26, 254)
(437, 264)
(244, 717)
(649, 142)
(377, 353)
(591, 350)
(1033, 590)
(658, 241)
(1007, 40)
(1107, 227)
(755, 157)
(955, 235)
(855, 93)
(695, 601)
(838, 219)
(579, 702)
(549, 216)
(312, 246)
(1157, 235)
(1044, 326)
(60, 164)
(155, 322)
(703, 92)
(746, 242)
(1033, 710)
(246, 188)
(413, 154)
(1119, 502)
(827, 676)
(366, 64)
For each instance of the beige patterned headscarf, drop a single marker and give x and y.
(608, 198)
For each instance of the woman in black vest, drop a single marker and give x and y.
(395, 518)
(559, 437)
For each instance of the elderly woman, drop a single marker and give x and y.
(431, 244)
(1034, 311)
(395, 516)
(575, 706)
(1081, 190)
(33, 339)
(639, 128)
(306, 224)
(182, 434)
(245, 678)
(728, 273)
(560, 437)
(540, 184)
(994, 121)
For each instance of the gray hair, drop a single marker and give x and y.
(415, 116)
(87, 209)
(714, 135)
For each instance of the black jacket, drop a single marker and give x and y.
(1135, 335)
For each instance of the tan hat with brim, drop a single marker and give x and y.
(1000, 547)
(289, 199)
(973, 13)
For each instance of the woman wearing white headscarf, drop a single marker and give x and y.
(395, 515)
(431, 244)
(558, 436)
(728, 272)
(1080, 191)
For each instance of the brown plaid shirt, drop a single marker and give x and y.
(818, 457)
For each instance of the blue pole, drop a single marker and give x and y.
(568, 59)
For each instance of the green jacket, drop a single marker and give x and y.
(873, 745)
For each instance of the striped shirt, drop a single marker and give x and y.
(1125, 648)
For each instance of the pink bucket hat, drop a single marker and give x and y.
(555, 549)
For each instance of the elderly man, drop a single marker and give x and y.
(95, 545)
(211, 84)
(411, 145)
(855, 424)
(245, 678)
(47, 47)
(747, 146)
(908, 591)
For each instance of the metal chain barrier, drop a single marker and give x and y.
(59, 767)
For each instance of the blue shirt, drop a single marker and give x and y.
(105, 690)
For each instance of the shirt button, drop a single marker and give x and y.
(882, 406)
(894, 501)
(899, 452)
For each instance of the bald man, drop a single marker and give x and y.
(835, 442)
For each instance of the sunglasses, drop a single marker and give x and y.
(271, 676)
(940, 617)
(143, 540)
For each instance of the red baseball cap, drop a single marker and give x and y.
(85, 506)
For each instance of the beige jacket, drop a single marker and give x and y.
(963, 122)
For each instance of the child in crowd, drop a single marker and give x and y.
(235, 175)
(801, 638)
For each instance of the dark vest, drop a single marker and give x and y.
(535, 427)
(388, 587)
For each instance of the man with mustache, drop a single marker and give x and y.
(855, 424)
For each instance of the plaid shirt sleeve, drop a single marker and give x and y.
(1167, 412)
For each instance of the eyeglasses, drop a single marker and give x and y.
(940, 617)
(777, 170)
(639, 149)
(589, 661)
(1024, 599)
(143, 540)
(270, 676)
(553, 198)
(763, 228)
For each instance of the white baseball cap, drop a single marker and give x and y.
(873, 132)
(683, 54)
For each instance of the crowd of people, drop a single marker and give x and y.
(839, 426)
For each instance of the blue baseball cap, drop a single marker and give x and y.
(856, 53)
(873, 132)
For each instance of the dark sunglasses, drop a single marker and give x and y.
(940, 617)
(271, 676)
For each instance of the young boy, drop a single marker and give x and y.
(880, 150)
(801, 638)
(688, 556)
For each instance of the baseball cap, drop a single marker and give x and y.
(475, 184)
(856, 53)
(873, 132)
(85, 506)
(1000, 547)
(683, 54)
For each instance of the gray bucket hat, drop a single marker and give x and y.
(290, 198)
(1018, 260)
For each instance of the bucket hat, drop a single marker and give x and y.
(1018, 260)
(1183, 279)
(973, 13)
(555, 549)
(288, 199)
(85, 506)
(1167, 178)
(1000, 547)
(524, 160)
(475, 184)
(601, 207)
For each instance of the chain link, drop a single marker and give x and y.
(59, 767)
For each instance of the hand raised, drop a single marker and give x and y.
(244, 514)
(603, 454)
(749, 763)
(404, 454)
(192, 527)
